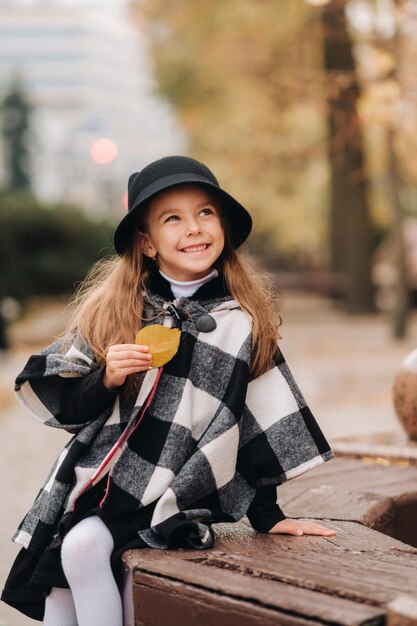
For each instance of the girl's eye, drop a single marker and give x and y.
(175, 216)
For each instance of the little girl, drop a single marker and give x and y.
(159, 454)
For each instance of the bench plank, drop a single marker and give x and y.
(251, 588)
(379, 496)
(250, 578)
(160, 601)
(344, 580)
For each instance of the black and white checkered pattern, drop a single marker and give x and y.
(209, 435)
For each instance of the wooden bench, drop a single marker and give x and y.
(363, 575)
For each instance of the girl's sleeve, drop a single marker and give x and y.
(45, 386)
(85, 398)
(264, 511)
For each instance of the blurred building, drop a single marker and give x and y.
(87, 72)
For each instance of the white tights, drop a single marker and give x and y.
(93, 598)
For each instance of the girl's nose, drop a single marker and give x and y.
(193, 227)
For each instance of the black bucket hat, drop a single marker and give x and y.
(168, 172)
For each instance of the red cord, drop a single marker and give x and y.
(122, 439)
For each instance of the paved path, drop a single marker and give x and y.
(27, 448)
(344, 366)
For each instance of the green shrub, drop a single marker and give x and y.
(47, 249)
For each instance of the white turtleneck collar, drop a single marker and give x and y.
(184, 289)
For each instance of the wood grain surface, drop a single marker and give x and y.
(253, 578)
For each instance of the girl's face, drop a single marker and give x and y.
(184, 229)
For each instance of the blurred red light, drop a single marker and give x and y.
(103, 151)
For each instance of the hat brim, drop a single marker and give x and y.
(237, 216)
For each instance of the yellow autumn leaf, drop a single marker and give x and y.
(163, 342)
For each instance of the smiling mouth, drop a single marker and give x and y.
(191, 249)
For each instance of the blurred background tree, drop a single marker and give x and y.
(288, 101)
(47, 249)
(306, 110)
(385, 41)
(245, 78)
(15, 113)
(351, 229)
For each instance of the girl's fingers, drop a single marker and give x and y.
(119, 357)
(127, 354)
(129, 362)
(316, 527)
(130, 370)
(120, 347)
(315, 530)
(298, 527)
(318, 531)
(137, 369)
(309, 528)
(116, 367)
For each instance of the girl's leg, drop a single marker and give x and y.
(59, 608)
(85, 554)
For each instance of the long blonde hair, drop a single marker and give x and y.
(106, 308)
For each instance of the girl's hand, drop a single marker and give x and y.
(298, 527)
(124, 359)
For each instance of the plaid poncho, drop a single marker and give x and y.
(196, 442)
